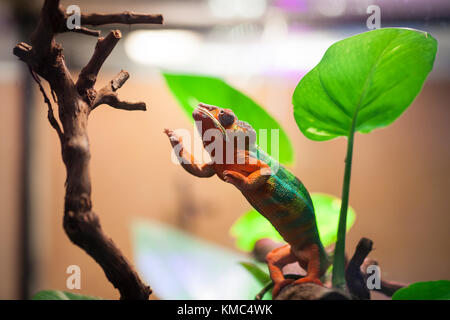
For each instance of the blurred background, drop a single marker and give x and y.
(400, 179)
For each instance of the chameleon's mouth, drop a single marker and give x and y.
(216, 122)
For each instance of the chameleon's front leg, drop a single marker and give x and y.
(187, 160)
(258, 177)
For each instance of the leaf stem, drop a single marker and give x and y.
(338, 275)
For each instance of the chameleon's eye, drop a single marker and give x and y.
(226, 118)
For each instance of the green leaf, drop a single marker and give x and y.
(252, 226)
(430, 290)
(370, 78)
(61, 295)
(261, 276)
(189, 90)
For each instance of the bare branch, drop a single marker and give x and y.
(87, 31)
(75, 101)
(50, 19)
(263, 247)
(104, 47)
(119, 80)
(356, 283)
(127, 17)
(50, 115)
(107, 95)
(356, 273)
(23, 51)
(113, 100)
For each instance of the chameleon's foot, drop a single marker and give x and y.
(309, 279)
(235, 178)
(168, 131)
(173, 137)
(280, 285)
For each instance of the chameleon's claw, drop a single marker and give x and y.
(174, 139)
(232, 177)
(228, 179)
(167, 131)
(280, 285)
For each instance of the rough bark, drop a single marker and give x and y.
(75, 101)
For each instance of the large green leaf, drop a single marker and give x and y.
(430, 290)
(370, 78)
(61, 295)
(261, 276)
(189, 90)
(252, 226)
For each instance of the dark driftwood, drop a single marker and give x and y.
(356, 282)
(356, 273)
(75, 101)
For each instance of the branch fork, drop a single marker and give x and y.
(75, 101)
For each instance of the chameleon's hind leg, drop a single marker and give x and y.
(276, 260)
(309, 259)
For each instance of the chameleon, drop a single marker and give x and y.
(270, 188)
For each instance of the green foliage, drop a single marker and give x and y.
(430, 290)
(370, 78)
(252, 226)
(362, 83)
(189, 90)
(261, 276)
(61, 295)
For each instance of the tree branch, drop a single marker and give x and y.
(107, 95)
(75, 101)
(104, 47)
(356, 283)
(50, 115)
(356, 273)
(42, 39)
(87, 31)
(127, 17)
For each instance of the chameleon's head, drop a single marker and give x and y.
(212, 117)
(223, 120)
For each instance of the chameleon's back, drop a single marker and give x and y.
(286, 203)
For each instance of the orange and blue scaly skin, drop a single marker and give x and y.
(275, 193)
